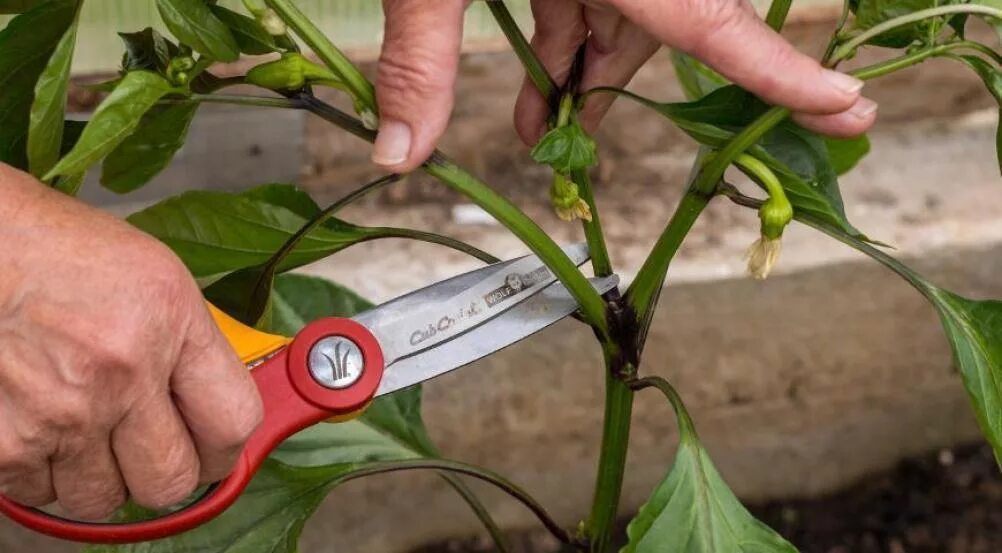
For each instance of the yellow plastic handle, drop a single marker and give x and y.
(250, 344)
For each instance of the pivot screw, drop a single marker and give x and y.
(336, 362)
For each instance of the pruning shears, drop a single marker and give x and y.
(335, 367)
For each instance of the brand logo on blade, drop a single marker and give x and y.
(515, 284)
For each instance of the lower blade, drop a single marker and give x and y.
(544, 309)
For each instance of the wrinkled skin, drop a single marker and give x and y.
(114, 381)
(420, 57)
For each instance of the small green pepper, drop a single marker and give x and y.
(291, 72)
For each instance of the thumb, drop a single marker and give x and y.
(728, 36)
(415, 79)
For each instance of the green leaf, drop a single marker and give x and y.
(693, 511)
(696, 78)
(148, 151)
(992, 77)
(115, 119)
(26, 45)
(251, 38)
(973, 328)
(218, 233)
(269, 517)
(298, 299)
(194, 24)
(800, 158)
(48, 109)
(18, 6)
(870, 13)
(147, 49)
(846, 153)
(566, 149)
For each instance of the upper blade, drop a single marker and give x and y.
(523, 320)
(443, 311)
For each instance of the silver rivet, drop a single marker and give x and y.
(336, 362)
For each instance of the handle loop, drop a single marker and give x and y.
(292, 400)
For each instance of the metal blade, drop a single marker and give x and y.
(436, 314)
(521, 321)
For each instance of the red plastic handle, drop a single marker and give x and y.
(293, 401)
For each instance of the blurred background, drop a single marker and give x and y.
(847, 428)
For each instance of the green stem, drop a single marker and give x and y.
(533, 66)
(778, 11)
(600, 261)
(240, 100)
(453, 467)
(908, 60)
(687, 429)
(846, 50)
(645, 291)
(433, 238)
(592, 305)
(601, 524)
(361, 89)
(833, 42)
(480, 510)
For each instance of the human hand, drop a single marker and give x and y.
(114, 379)
(420, 57)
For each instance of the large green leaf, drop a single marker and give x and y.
(149, 150)
(17, 6)
(194, 24)
(846, 153)
(218, 233)
(800, 158)
(251, 38)
(48, 109)
(992, 77)
(693, 511)
(26, 45)
(870, 13)
(270, 516)
(115, 119)
(974, 330)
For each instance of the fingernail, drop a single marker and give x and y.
(864, 108)
(393, 143)
(846, 83)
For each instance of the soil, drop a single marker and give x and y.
(944, 502)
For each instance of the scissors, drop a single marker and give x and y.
(333, 369)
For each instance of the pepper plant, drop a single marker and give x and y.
(241, 247)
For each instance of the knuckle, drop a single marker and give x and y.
(174, 486)
(413, 72)
(245, 417)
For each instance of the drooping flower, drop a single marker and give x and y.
(566, 201)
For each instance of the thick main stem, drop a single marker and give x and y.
(601, 524)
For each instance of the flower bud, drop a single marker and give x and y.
(775, 214)
(566, 201)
